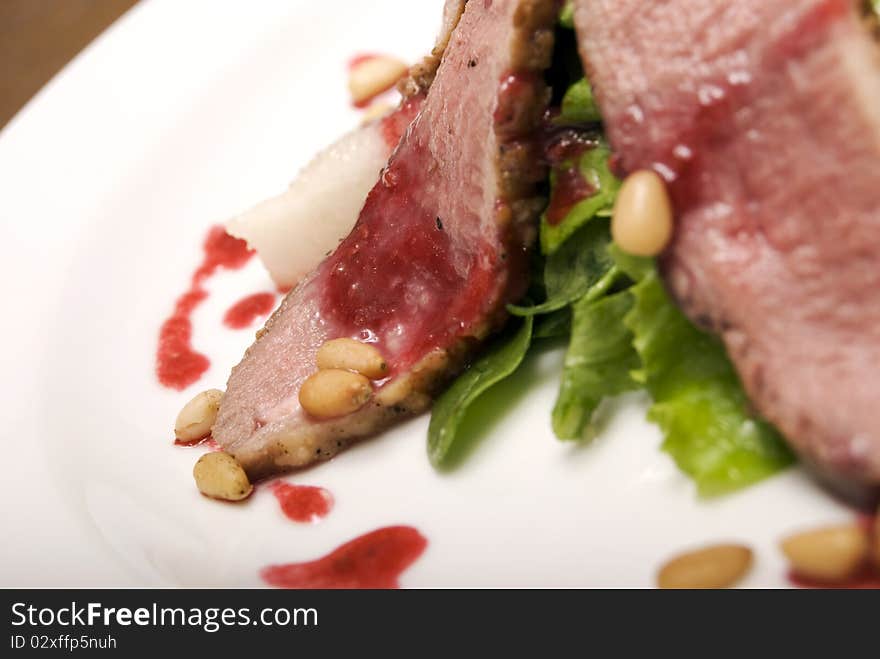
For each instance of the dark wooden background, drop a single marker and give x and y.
(38, 37)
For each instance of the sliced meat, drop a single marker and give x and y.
(438, 250)
(333, 186)
(764, 118)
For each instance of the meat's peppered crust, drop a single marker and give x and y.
(421, 75)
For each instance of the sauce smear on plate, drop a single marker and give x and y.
(243, 313)
(302, 503)
(374, 560)
(178, 364)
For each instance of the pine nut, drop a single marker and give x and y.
(376, 111)
(351, 355)
(219, 476)
(718, 566)
(641, 223)
(197, 416)
(831, 554)
(334, 392)
(373, 76)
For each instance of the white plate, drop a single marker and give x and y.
(178, 117)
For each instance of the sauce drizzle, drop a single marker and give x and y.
(395, 123)
(570, 189)
(302, 503)
(563, 150)
(178, 364)
(374, 560)
(243, 313)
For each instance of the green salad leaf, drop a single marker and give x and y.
(634, 267)
(578, 104)
(555, 325)
(598, 363)
(593, 166)
(699, 402)
(566, 15)
(582, 266)
(500, 361)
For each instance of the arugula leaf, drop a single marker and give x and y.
(499, 362)
(578, 104)
(699, 402)
(554, 325)
(566, 15)
(581, 266)
(593, 165)
(634, 267)
(598, 363)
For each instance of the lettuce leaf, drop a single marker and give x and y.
(566, 14)
(555, 325)
(502, 359)
(699, 402)
(581, 266)
(634, 267)
(578, 104)
(593, 166)
(599, 362)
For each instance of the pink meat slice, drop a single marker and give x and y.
(438, 250)
(764, 118)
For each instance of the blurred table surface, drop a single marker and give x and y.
(38, 37)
